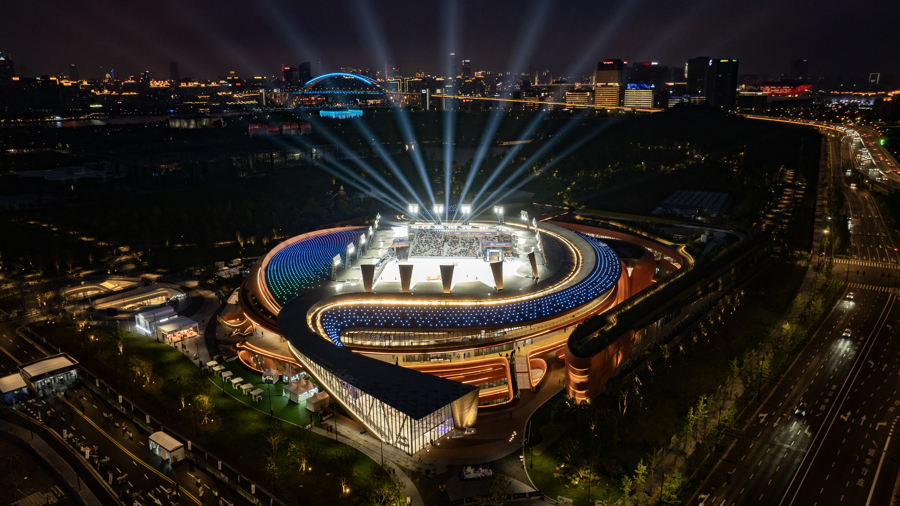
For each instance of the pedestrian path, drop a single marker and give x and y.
(866, 263)
(875, 288)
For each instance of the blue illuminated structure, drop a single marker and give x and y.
(342, 74)
(341, 114)
(304, 265)
(604, 276)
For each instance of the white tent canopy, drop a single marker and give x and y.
(166, 446)
(270, 376)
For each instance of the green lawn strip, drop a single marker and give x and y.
(237, 433)
(282, 406)
(675, 386)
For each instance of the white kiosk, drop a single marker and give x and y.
(166, 447)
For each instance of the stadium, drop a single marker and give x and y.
(415, 323)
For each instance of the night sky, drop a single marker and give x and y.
(210, 38)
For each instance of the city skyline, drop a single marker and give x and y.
(209, 40)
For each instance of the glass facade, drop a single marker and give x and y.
(387, 423)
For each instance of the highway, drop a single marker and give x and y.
(842, 451)
(870, 240)
(777, 443)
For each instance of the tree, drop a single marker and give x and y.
(671, 486)
(385, 489)
(141, 368)
(275, 438)
(702, 412)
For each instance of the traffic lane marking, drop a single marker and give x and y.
(125, 450)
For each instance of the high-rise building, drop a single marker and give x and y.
(174, 75)
(7, 69)
(721, 86)
(654, 75)
(610, 72)
(73, 72)
(454, 66)
(304, 71)
(607, 95)
(466, 69)
(290, 76)
(639, 97)
(697, 73)
(799, 71)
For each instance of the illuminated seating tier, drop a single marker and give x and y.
(305, 265)
(603, 277)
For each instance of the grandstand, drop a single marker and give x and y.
(304, 264)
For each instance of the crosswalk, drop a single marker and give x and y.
(866, 263)
(875, 288)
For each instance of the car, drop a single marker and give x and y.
(850, 296)
(847, 333)
(801, 409)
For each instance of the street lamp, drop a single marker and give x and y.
(498, 210)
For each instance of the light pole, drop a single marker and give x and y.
(524, 216)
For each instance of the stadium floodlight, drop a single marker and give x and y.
(466, 210)
(414, 209)
(498, 210)
(438, 212)
(524, 216)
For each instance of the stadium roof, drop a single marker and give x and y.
(413, 393)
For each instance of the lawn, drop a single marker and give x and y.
(236, 432)
(282, 407)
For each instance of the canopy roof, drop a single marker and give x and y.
(413, 393)
(175, 324)
(166, 441)
(298, 388)
(48, 366)
(11, 383)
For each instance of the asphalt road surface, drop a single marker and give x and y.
(90, 422)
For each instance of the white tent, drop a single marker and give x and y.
(166, 446)
(299, 390)
(318, 401)
(292, 374)
(270, 376)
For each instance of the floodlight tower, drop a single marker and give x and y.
(466, 211)
(498, 210)
(334, 266)
(414, 212)
(362, 242)
(439, 212)
(348, 259)
(524, 215)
